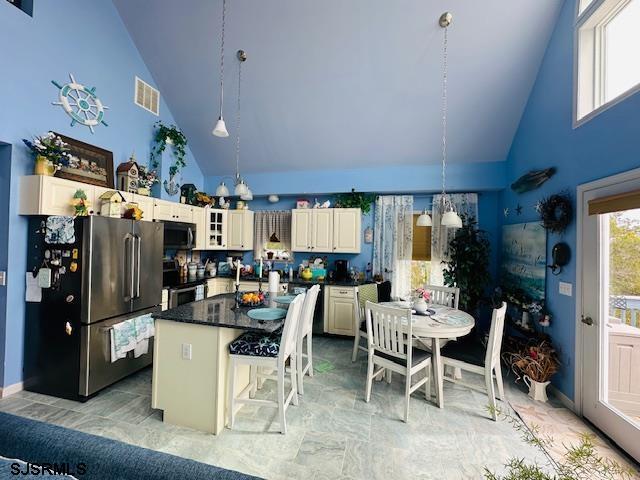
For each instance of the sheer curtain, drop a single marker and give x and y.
(393, 241)
(465, 204)
(268, 222)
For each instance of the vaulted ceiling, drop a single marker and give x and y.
(343, 83)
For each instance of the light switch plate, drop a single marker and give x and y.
(566, 289)
(3, 278)
(186, 351)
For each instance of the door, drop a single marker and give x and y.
(235, 235)
(182, 212)
(341, 316)
(148, 240)
(609, 310)
(301, 230)
(346, 230)
(107, 289)
(145, 204)
(216, 229)
(322, 229)
(57, 194)
(163, 210)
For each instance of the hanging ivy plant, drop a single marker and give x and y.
(169, 135)
(355, 199)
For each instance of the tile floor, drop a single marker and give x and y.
(333, 433)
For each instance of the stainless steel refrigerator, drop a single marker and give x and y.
(111, 273)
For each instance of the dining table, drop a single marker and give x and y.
(440, 324)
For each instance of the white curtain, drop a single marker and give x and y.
(268, 222)
(465, 204)
(393, 242)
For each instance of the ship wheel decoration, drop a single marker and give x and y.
(81, 104)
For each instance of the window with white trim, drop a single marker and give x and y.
(608, 55)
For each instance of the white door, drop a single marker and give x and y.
(163, 210)
(346, 230)
(608, 314)
(235, 232)
(301, 220)
(322, 230)
(182, 212)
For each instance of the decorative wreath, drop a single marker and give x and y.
(556, 212)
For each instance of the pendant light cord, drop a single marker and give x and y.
(224, 14)
(240, 62)
(444, 113)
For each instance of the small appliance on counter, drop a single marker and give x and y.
(182, 289)
(341, 270)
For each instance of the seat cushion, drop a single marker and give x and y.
(417, 356)
(256, 344)
(465, 350)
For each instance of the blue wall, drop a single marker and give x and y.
(5, 183)
(604, 146)
(65, 36)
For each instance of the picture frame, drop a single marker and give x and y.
(89, 164)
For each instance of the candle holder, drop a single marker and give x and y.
(236, 295)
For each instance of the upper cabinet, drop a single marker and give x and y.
(347, 223)
(240, 230)
(326, 230)
(172, 211)
(211, 229)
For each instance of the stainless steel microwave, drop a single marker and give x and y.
(181, 236)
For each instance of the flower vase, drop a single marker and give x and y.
(537, 390)
(43, 166)
(144, 191)
(420, 305)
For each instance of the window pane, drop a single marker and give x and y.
(583, 5)
(622, 54)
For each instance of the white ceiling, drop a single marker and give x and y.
(335, 83)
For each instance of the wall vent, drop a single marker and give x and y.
(147, 97)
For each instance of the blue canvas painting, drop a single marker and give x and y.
(524, 259)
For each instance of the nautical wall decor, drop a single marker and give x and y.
(532, 180)
(81, 104)
(556, 212)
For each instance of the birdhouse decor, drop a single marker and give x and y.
(188, 194)
(111, 204)
(127, 175)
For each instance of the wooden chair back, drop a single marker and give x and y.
(290, 330)
(492, 357)
(388, 329)
(308, 310)
(447, 296)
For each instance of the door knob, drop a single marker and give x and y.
(587, 320)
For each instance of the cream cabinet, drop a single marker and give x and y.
(42, 195)
(219, 285)
(239, 230)
(144, 203)
(340, 310)
(347, 224)
(172, 211)
(213, 234)
(326, 230)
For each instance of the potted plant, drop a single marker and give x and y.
(534, 364)
(468, 264)
(51, 153)
(354, 199)
(147, 178)
(169, 135)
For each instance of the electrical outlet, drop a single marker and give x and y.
(186, 351)
(566, 289)
(3, 278)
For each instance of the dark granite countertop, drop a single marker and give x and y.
(218, 311)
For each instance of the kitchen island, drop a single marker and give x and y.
(191, 355)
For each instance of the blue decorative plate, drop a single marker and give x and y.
(284, 299)
(267, 313)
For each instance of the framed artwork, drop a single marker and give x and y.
(524, 259)
(87, 164)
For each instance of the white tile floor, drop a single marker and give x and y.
(333, 433)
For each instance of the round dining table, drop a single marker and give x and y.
(445, 323)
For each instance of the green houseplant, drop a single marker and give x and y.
(468, 264)
(169, 135)
(355, 199)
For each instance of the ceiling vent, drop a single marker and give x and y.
(147, 97)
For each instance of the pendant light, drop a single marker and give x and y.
(424, 219)
(222, 190)
(220, 130)
(241, 188)
(450, 217)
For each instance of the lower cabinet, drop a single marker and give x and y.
(339, 310)
(217, 286)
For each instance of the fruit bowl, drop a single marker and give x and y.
(251, 299)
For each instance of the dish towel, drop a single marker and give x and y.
(123, 339)
(145, 329)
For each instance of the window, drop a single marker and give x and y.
(608, 55)
(421, 257)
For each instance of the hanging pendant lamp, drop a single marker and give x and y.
(220, 130)
(222, 190)
(424, 219)
(450, 217)
(241, 187)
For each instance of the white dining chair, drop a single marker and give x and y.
(305, 331)
(389, 331)
(456, 357)
(447, 296)
(363, 293)
(266, 353)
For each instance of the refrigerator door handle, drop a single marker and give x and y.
(128, 251)
(139, 240)
(132, 265)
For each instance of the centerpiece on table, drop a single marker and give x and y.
(147, 178)
(535, 364)
(51, 153)
(421, 299)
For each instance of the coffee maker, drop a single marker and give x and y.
(342, 270)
